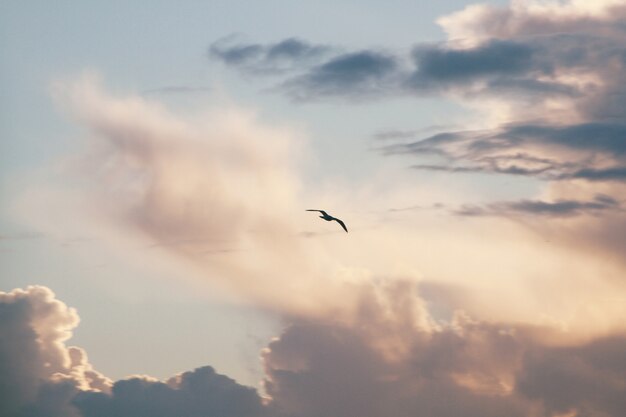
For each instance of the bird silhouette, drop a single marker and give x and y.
(330, 218)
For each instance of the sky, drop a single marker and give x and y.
(157, 159)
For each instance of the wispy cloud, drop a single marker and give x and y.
(274, 59)
(558, 208)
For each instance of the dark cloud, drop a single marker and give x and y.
(33, 357)
(558, 208)
(559, 75)
(605, 174)
(272, 59)
(588, 378)
(549, 152)
(524, 67)
(358, 74)
(441, 65)
(390, 358)
(197, 393)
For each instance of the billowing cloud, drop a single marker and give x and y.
(462, 367)
(197, 393)
(391, 358)
(41, 376)
(34, 327)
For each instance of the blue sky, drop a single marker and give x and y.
(158, 185)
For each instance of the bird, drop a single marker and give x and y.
(330, 218)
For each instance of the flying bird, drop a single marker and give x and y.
(330, 218)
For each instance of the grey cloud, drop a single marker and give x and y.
(520, 149)
(595, 174)
(528, 61)
(271, 59)
(53, 399)
(394, 368)
(588, 378)
(197, 393)
(557, 208)
(443, 66)
(41, 377)
(358, 74)
(498, 66)
(33, 356)
(389, 359)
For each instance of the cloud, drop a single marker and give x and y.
(559, 208)
(217, 198)
(592, 151)
(555, 74)
(554, 114)
(218, 194)
(388, 362)
(390, 358)
(41, 376)
(533, 56)
(353, 75)
(288, 55)
(197, 393)
(444, 66)
(584, 378)
(35, 327)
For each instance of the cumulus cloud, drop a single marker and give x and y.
(196, 393)
(461, 367)
(35, 361)
(41, 376)
(392, 357)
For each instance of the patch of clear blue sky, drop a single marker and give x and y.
(142, 45)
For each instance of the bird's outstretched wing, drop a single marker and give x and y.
(321, 211)
(342, 224)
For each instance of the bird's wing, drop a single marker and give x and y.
(321, 211)
(342, 224)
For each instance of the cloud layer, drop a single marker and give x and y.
(393, 358)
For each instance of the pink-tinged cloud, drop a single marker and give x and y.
(218, 190)
(391, 360)
(216, 197)
(35, 326)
